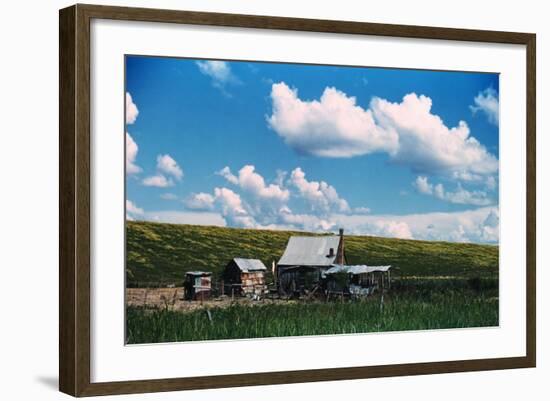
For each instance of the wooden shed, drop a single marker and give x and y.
(197, 285)
(245, 277)
(357, 280)
(305, 259)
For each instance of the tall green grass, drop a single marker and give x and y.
(422, 306)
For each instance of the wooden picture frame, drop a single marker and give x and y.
(74, 199)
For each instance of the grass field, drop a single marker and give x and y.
(160, 254)
(438, 285)
(423, 305)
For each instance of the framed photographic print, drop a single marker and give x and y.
(250, 200)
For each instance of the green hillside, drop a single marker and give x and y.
(160, 253)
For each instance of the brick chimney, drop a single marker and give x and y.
(341, 246)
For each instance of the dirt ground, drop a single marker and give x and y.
(173, 299)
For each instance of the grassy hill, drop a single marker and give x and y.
(159, 253)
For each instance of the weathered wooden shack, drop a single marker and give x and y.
(305, 259)
(357, 280)
(245, 277)
(197, 285)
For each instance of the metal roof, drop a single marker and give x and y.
(199, 273)
(249, 265)
(356, 269)
(310, 251)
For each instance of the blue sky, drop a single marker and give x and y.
(391, 152)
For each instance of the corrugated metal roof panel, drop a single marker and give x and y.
(310, 251)
(249, 265)
(199, 273)
(356, 269)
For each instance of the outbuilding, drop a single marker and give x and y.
(357, 280)
(305, 259)
(245, 277)
(197, 285)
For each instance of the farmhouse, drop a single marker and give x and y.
(197, 285)
(305, 260)
(357, 280)
(245, 277)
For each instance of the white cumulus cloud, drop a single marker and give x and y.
(219, 72)
(423, 186)
(426, 144)
(199, 201)
(131, 109)
(479, 225)
(132, 210)
(307, 222)
(245, 207)
(267, 205)
(228, 175)
(179, 217)
(487, 102)
(131, 154)
(391, 228)
(335, 126)
(252, 182)
(463, 196)
(167, 165)
(319, 208)
(232, 208)
(158, 180)
(320, 195)
(459, 196)
(264, 200)
(489, 228)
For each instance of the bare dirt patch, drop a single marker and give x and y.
(172, 298)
